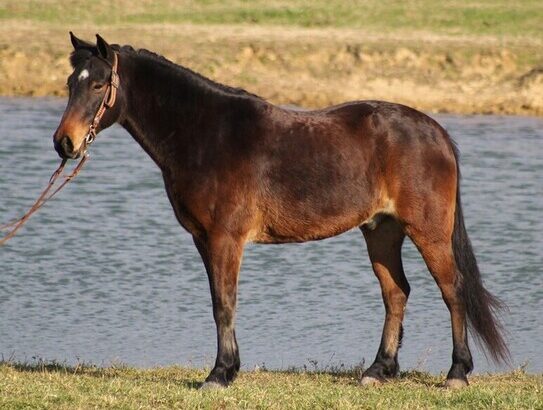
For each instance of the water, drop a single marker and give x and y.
(104, 273)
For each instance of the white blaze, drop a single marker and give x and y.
(83, 74)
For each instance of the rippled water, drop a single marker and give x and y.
(105, 274)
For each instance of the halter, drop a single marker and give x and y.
(107, 101)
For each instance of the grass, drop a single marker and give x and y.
(482, 17)
(58, 387)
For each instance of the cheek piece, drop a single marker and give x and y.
(107, 102)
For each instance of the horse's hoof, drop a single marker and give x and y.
(454, 384)
(370, 381)
(212, 386)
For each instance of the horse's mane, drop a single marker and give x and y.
(81, 54)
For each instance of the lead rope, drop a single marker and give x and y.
(43, 198)
(107, 102)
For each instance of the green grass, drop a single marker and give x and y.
(483, 17)
(60, 387)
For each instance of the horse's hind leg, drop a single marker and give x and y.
(435, 244)
(384, 249)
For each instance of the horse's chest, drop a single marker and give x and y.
(190, 217)
(188, 221)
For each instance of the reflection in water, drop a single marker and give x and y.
(104, 273)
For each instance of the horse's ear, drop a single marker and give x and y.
(104, 49)
(82, 50)
(78, 43)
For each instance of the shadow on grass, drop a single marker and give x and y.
(312, 368)
(181, 376)
(91, 370)
(354, 374)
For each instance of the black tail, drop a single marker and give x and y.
(481, 305)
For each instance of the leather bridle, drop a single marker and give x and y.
(107, 102)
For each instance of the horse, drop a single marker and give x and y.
(239, 169)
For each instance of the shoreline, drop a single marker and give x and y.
(310, 68)
(63, 99)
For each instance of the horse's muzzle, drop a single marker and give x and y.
(65, 148)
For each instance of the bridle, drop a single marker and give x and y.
(107, 102)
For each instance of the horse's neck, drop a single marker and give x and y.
(161, 122)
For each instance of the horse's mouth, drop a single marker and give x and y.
(74, 155)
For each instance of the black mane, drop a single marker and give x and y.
(81, 54)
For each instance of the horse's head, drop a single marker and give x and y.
(90, 91)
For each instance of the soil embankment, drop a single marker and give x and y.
(307, 67)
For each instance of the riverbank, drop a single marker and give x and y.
(467, 58)
(60, 387)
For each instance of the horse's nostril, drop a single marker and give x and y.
(64, 147)
(67, 145)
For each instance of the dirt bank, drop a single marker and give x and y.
(307, 67)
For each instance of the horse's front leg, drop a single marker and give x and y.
(221, 253)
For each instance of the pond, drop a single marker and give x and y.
(104, 274)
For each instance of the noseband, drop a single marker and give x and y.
(107, 101)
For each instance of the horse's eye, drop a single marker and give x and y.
(97, 86)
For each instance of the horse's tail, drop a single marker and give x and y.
(481, 306)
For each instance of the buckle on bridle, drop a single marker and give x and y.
(89, 139)
(114, 79)
(107, 101)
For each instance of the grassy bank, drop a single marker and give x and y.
(468, 57)
(61, 387)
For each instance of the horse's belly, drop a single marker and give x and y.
(294, 237)
(283, 220)
(305, 226)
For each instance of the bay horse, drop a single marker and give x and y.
(239, 169)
